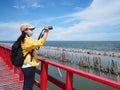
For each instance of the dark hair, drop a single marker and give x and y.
(21, 38)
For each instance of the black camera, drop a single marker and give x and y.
(49, 27)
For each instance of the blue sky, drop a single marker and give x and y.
(73, 20)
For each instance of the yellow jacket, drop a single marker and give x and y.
(27, 46)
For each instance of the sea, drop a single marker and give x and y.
(81, 83)
(113, 46)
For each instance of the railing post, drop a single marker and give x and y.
(69, 80)
(44, 73)
(15, 70)
(20, 74)
(10, 61)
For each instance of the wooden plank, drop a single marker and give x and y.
(8, 80)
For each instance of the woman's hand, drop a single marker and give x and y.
(46, 28)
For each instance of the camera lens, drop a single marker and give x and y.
(50, 27)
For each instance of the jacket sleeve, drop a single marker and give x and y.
(30, 43)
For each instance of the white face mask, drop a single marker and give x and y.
(30, 33)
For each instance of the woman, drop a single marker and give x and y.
(29, 45)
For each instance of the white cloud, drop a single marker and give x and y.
(98, 15)
(8, 26)
(9, 31)
(36, 5)
(100, 12)
(22, 4)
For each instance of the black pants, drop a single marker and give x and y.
(29, 75)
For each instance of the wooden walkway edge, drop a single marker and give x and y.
(8, 80)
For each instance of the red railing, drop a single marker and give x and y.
(43, 84)
(5, 55)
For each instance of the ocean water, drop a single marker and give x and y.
(81, 83)
(113, 46)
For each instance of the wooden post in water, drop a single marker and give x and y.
(114, 67)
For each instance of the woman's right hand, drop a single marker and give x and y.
(46, 28)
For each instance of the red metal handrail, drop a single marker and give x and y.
(5, 55)
(68, 85)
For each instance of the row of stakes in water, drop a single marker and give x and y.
(82, 60)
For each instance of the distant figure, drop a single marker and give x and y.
(29, 45)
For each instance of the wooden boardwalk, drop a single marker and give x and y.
(8, 80)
